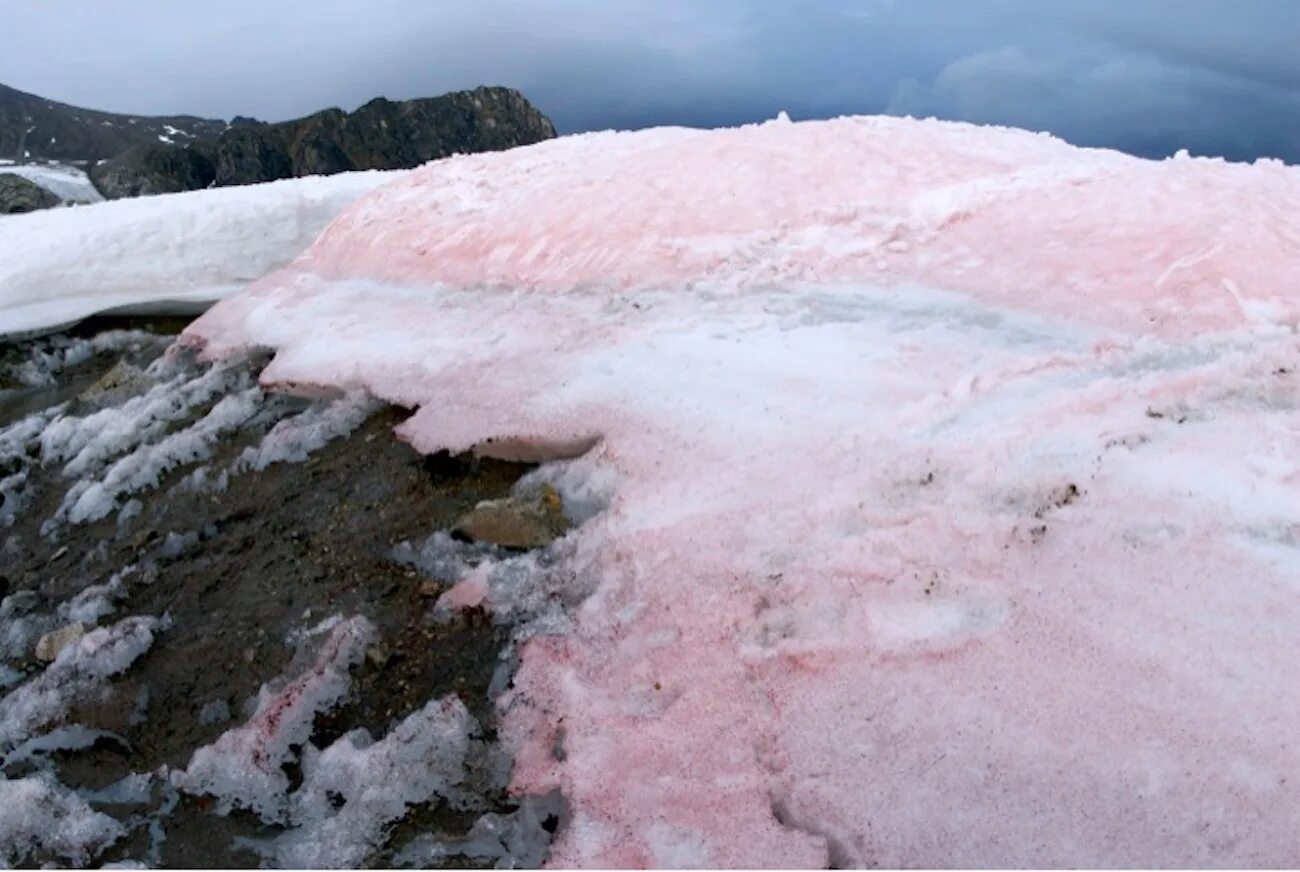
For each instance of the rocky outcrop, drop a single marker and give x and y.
(18, 194)
(382, 135)
(32, 127)
(154, 169)
(132, 156)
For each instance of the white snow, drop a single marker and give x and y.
(421, 759)
(293, 439)
(40, 818)
(172, 252)
(90, 499)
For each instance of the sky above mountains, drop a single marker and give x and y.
(1147, 76)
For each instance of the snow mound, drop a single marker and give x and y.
(174, 252)
(941, 481)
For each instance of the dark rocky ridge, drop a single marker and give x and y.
(18, 194)
(131, 156)
(382, 134)
(37, 128)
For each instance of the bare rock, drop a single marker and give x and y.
(520, 522)
(55, 641)
(19, 194)
(122, 379)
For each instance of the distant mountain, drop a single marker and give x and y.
(129, 156)
(33, 128)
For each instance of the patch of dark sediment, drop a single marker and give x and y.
(254, 527)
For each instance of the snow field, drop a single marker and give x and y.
(950, 480)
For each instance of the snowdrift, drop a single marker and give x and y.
(175, 251)
(950, 479)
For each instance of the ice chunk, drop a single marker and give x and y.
(90, 500)
(96, 601)
(70, 738)
(354, 788)
(515, 840)
(86, 443)
(293, 439)
(40, 819)
(243, 768)
(79, 669)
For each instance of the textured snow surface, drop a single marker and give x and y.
(160, 253)
(355, 787)
(945, 479)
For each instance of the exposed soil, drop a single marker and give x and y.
(241, 573)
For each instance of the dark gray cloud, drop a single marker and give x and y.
(1149, 76)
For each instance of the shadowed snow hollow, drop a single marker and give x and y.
(953, 480)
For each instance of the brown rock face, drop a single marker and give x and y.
(55, 641)
(518, 523)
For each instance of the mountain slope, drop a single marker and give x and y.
(32, 127)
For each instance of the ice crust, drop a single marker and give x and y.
(952, 480)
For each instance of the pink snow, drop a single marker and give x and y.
(957, 518)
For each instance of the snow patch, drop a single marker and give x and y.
(79, 669)
(843, 376)
(420, 760)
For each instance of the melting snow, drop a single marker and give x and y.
(79, 669)
(39, 816)
(243, 768)
(949, 476)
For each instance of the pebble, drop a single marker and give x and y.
(520, 522)
(55, 641)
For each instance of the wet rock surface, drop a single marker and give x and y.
(250, 533)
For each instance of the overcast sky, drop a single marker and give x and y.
(1149, 76)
